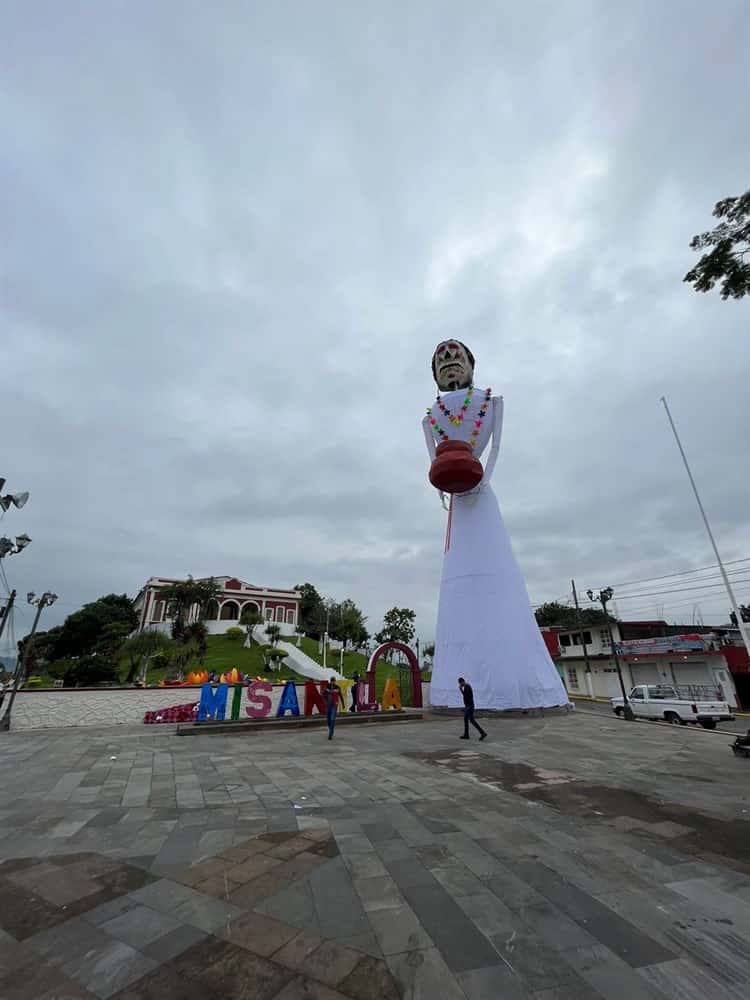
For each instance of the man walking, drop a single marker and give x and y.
(331, 696)
(468, 693)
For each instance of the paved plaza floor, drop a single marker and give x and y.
(565, 857)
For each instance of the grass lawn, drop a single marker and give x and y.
(222, 655)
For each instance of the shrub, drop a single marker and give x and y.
(275, 654)
(235, 633)
(91, 671)
(34, 682)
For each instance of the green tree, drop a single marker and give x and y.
(141, 648)
(107, 621)
(312, 615)
(728, 246)
(90, 671)
(398, 626)
(348, 624)
(563, 616)
(42, 650)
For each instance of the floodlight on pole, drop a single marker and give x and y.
(8, 548)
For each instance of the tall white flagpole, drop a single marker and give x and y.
(744, 631)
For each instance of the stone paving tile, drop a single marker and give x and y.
(423, 975)
(174, 942)
(295, 951)
(378, 893)
(295, 905)
(399, 930)
(301, 988)
(492, 983)
(235, 971)
(22, 913)
(259, 934)
(165, 984)
(106, 970)
(42, 983)
(330, 962)
(461, 944)
(370, 979)
(140, 926)
(15, 955)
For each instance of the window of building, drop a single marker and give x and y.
(587, 638)
(573, 677)
(230, 611)
(158, 612)
(564, 640)
(575, 639)
(290, 617)
(279, 614)
(269, 614)
(604, 637)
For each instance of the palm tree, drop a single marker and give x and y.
(273, 632)
(250, 617)
(140, 648)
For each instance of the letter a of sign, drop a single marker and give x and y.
(213, 704)
(391, 695)
(288, 701)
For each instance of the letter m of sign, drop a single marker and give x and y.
(213, 703)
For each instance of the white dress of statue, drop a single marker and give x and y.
(486, 631)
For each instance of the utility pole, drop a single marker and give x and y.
(7, 611)
(604, 597)
(325, 636)
(583, 638)
(42, 602)
(741, 625)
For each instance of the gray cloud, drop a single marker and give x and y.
(232, 237)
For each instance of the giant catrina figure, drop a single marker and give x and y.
(486, 630)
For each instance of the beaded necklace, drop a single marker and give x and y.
(457, 418)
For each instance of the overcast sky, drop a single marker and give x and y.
(233, 233)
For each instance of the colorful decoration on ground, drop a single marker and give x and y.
(175, 713)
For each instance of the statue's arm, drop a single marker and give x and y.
(429, 438)
(497, 431)
(430, 442)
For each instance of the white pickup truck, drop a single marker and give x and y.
(661, 701)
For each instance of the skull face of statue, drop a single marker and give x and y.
(452, 365)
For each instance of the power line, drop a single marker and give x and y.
(677, 590)
(683, 572)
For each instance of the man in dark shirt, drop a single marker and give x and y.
(331, 695)
(468, 693)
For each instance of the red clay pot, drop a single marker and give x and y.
(456, 468)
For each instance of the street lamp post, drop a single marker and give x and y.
(5, 613)
(41, 603)
(604, 597)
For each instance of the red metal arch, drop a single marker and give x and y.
(416, 675)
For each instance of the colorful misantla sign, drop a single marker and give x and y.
(215, 700)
